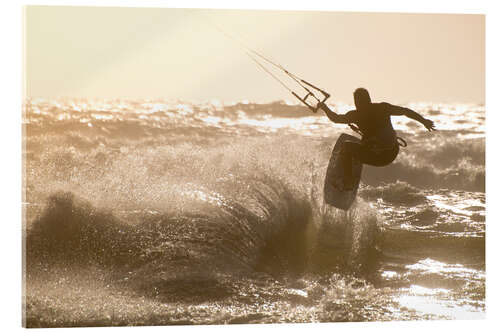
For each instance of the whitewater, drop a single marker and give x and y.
(154, 212)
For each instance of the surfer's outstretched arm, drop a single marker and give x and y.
(335, 117)
(401, 111)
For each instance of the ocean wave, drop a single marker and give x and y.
(177, 254)
(460, 177)
(447, 158)
(434, 244)
(446, 150)
(142, 120)
(399, 193)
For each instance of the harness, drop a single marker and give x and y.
(400, 141)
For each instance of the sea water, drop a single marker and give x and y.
(153, 212)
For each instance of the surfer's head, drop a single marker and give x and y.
(361, 98)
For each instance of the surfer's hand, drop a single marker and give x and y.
(429, 124)
(322, 106)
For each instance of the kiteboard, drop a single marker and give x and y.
(333, 190)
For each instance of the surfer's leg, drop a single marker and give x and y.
(378, 158)
(349, 150)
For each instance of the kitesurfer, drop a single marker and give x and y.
(379, 144)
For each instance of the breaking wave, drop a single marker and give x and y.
(175, 255)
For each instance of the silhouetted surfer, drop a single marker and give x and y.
(379, 145)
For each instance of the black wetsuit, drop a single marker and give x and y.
(379, 146)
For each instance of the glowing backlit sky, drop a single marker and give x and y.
(176, 53)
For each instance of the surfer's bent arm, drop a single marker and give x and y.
(335, 117)
(401, 111)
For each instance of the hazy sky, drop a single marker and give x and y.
(176, 53)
